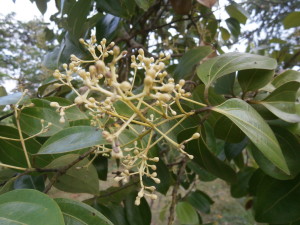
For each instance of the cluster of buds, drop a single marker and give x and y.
(157, 103)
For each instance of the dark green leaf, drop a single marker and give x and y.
(254, 79)
(29, 207)
(71, 139)
(30, 182)
(115, 213)
(107, 27)
(277, 201)
(101, 165)
(234, 26)
(144, 4)
(236, 11)
(42, 5)
(11, 152)
(228, 63)
(77, 179)
(137, 215)
(189, 60)
(202, 173)
(186, 213)
(232, 150)
(224, 33)
(78, 213)
(255, 128)
(200, 201)
(225, 85)
(291, 20)
(241, 187)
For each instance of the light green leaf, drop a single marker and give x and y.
(228, 63)
(291, 20)
(254, 79)
(83, 180)
(236, 11)
(285, 77)
(71, 139)
(189, 60)
(257, 130)
(2, 93)
(29, 207)
(78, 213)
(12, 99)
(282, 102)
(186, 213)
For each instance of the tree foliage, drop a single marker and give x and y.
(144, 98)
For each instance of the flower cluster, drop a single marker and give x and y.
(147, 108)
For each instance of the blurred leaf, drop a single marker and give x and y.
(277, 201)
(2, 93)
(75, 212)
(42, 5)
(29, 207)
(234, 26)
(186, 214)
(207, 3)
(238, 12)
(200, 201)
(120, 8)
(107, 27)
(254, 79)
(12, 99)
(228, 63)
(71, 139)
(144, 4)
(291, 20)
(255, 128)
(82, 180)
(137, 215)
(30, 182)
(240, 187)
(282, 102)
(189, 60)
(285, 77)
(225, 34)
(11, 152)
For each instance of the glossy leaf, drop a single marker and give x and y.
(254, 79)
(200, 201)
(30, 119)
(29, 207)
(137, 215)
(189, 60)
(291, 150)
(71, 139)
(228, 63)
(82, 180)
(78, 213)
(255, 128)
(291, 20)
(30, 182)
(282, 102)
(285, 77)
(186, 214)
(11, 152)
(236, 11)
(107, 27)
(277, 201)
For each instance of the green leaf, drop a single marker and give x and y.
(285, 77)
(186, 213)
(200, 201)
(144, 4)
(255, 128)
(234, 26)
(282, 102)
(2, 93)
(101, 165)
(225, 85)
(120, 8)
(232, 150)
(189, 60)
(254, 79)
(236, 11)
(225, 34)
(206, 159)
(277, 201)
(78, 213)
(241, 187)
(82, 180)
(228, 63)
(30, 119)
(203, 175)
(12, 99)
(71, 139)
(77, 17)
(29, 207)
(11, 152)
(137, 215)
(42, 5)
(291, 20)
(107, 27)
(30, 182)
(291, 150)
